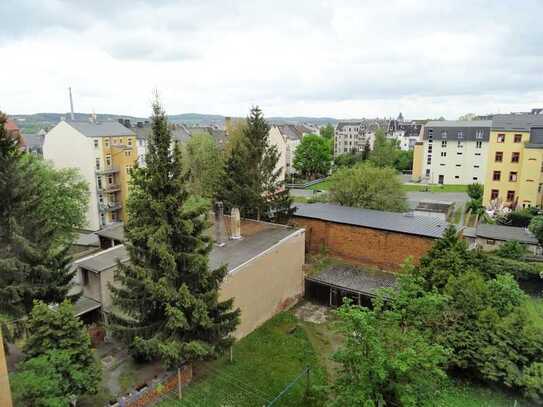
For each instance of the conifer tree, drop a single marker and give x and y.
(168, 296)
(252, 181)
(33, 265)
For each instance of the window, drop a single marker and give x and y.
(478, 144)
(129, 141)
(110, 179)
(496, 175)
(99, 182)
(501, 138)
(127, 153)
(128, 168)
(475, 166)
(443, 134)
(491, 242)
(517, 138)
(443, 165)
(106, 142)
(84, 276)
(512, 176)
(456, 177)
(539, 188)
(458, 165)
(477, 153)
(429, 160)
(460, 145)
(427, 172)
(140, 142)
(515, 157)
(444, 143)
(478, 134)
(498, 157)
(97, 163)
(443, 154)
(494, 194)
(114, 141)
(101, 198)
(108, 160)
(95, 143)
(460, 134)
(459, 153)
(510, 196)
(430, 148)
(475, 178)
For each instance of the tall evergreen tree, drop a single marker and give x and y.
(33, 259)
(168, 295)
(252, 180)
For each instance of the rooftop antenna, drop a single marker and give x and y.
(71, 104)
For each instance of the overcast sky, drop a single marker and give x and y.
(293, 57)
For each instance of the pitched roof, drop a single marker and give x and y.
(101, 129)
(343, 123)
(390, 221)
(10, 125)
(114, 231)
(505, 233)
(179, 132)
(522, 122)
(459, 123)
(290, 131)
(105, 259)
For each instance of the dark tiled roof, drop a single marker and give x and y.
(341, 124)
(290, 131)
(505, 233)
(521, 122)
(390, 221)
(179, 133)
(459, 123)
(101, 129)
(364, 281)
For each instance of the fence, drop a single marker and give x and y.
(156, 390)
(306, 184)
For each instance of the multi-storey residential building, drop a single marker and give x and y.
(407, 133)
(514, 174)
(286, 137)
(104, 153)
(350, 136)
(452, 152)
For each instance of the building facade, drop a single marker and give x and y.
(349, 136)
(514, 175)
(104, 154)
(286, 137)
(406, 133)
(452, 152)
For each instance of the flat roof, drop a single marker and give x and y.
(390, 221)
(505, 233)
(459, 123)
(84, 305)
(257, 237)
(363, 281)
(114, 231)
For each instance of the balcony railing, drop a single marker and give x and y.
(107, 170)
(108, 188)
(110, 206)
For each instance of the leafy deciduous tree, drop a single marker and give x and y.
(327, 132)
(367, 186)
(313, 156)
(385, 152)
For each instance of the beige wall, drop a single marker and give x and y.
(267, 284)
(276, 139)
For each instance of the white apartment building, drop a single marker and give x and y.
(286, 137)
(104, 154)
(454, 152)
(352, 136)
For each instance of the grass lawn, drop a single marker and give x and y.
(461, 394)
(264, 363)
(323, 186)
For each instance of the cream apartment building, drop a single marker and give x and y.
(286, 137)
(452, 152)
(104, 154)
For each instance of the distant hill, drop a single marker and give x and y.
(32, 123)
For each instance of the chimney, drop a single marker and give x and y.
(220, 229)
(235, 222)
(71, 104)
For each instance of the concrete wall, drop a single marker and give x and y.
(67, 148)
(267, 284)
(361, 245)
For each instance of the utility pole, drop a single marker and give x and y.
(5, 391)
(180, 394)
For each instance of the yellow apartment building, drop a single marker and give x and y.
(104, 153)
(514, 174)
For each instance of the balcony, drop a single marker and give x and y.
(109, 207)
(108, 188)
(107, 170)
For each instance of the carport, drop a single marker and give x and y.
(337, 282)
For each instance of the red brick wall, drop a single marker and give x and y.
(362, 245)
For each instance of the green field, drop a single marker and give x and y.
(325, 185)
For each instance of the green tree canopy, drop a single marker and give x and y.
(204, 162)
(252, 182)
(368, 186)
(39, 209)
(536, 227)
(384, 364)
(385, 152)
(313, 156)
(59, 337)
(327, 131)
(168, 295)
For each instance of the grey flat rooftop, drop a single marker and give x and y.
(522, 122)
(389, 221)
(87, 239)
(505, 233)
(84, 305)
(259, 237)
(114, 231)
(363, 281)
(99, 129)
